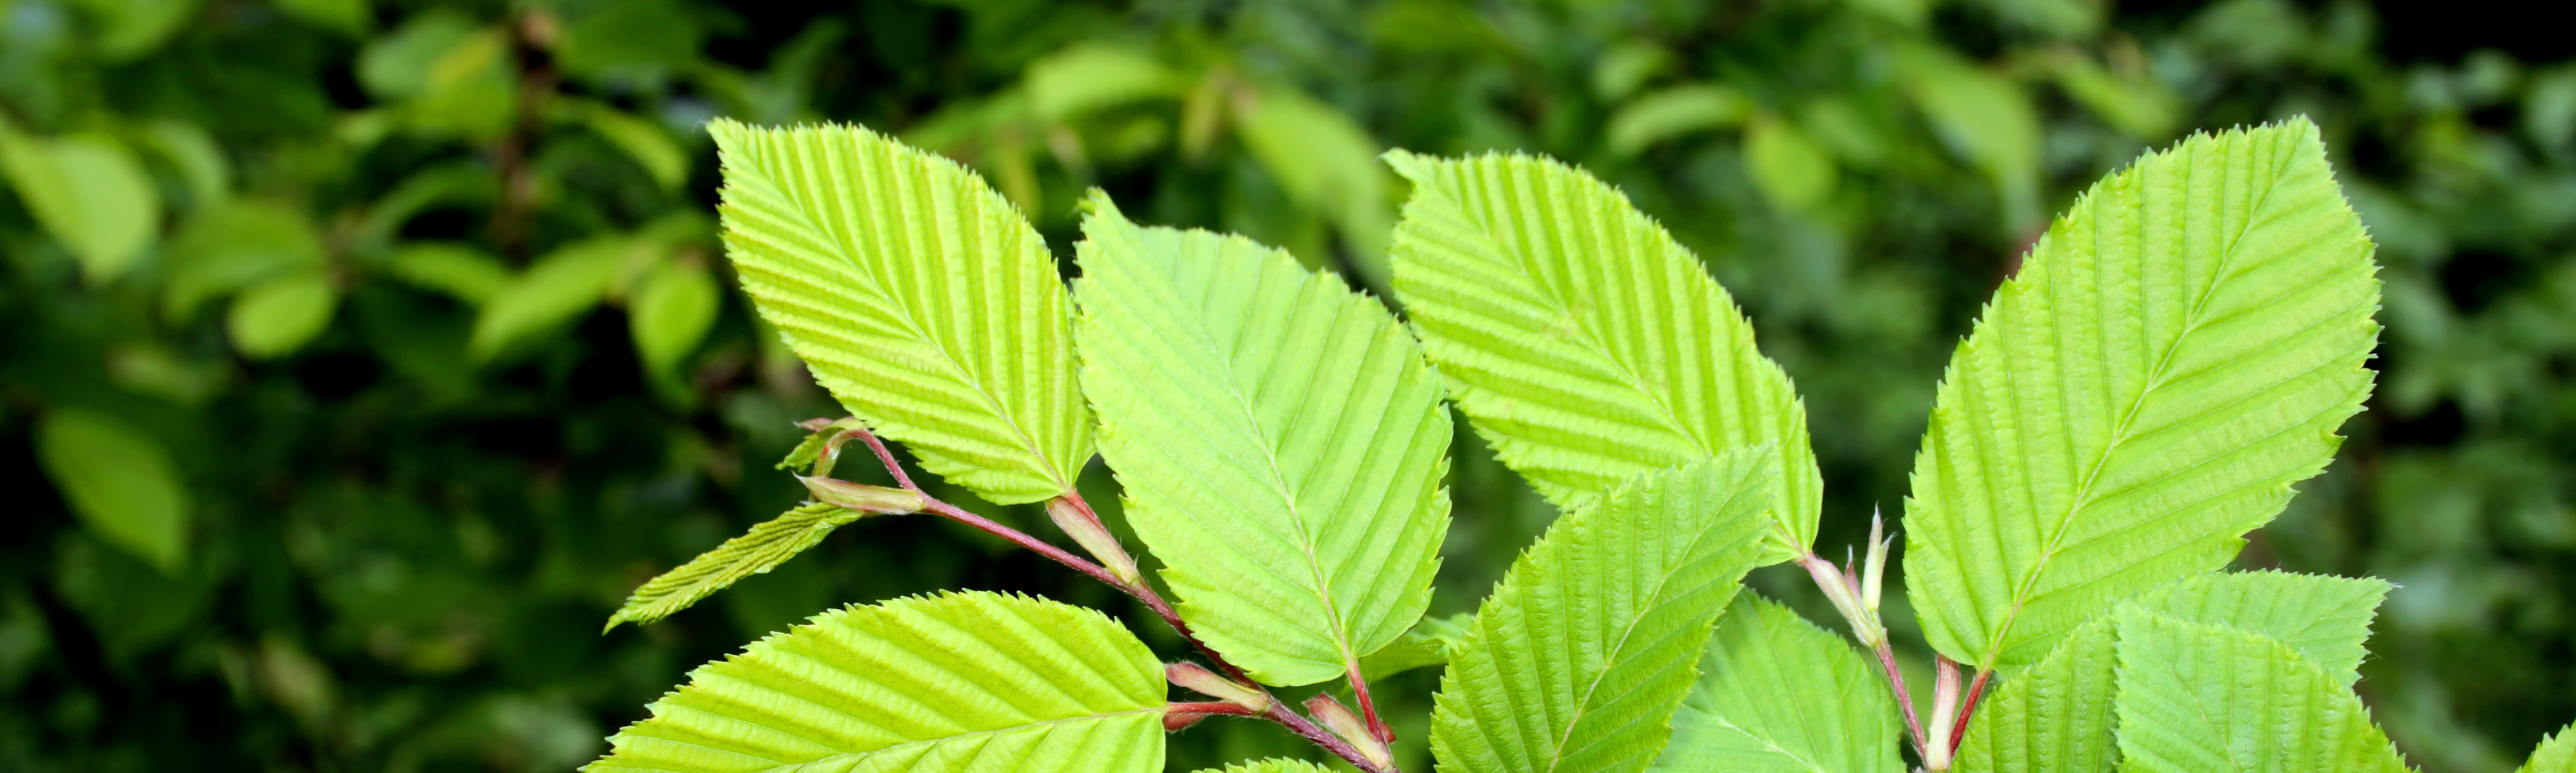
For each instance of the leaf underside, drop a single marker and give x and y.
(1585, 343)
(2055, 717)
(2196, 698)
(2174, 354)
(1776, 694)
(948, 683)
(763, 548)
(1578, 660)
(1280, 439)
(917, 295)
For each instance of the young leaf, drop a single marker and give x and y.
(2556, 754)
(917, 295)
(1585, 344)
(2056, 716)
(1280, 438)
(1776, 694)
(1577, 661)
(2200, 698)
(765, 547)
(949, 683)
(1273, 765)
(2175, 353)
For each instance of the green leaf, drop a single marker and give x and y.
(1985, 118)
(2175, 353)
(651, 147)
(559, 288)
(765, 547)
(1273, 765)
(350, 17)
(281, 315)
(1589, 643)
(671, 310)
(1652, 119)
(949, 683)
(460, 272)
(90, 193)
(191, 152)
(2055, 717)
(127, 29)
(1426, 645)
(2196, 698)
(2556, 754)
(1327, 164)
(1583, 342)
(1096, 75)
(120, 481)
(1280, 439)
(917, 295)
(233, 245)
(1792, 171)
(1776, 694)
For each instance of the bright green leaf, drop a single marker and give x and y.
(233, 245)
(120, 481)
(2196, 698)
(1583, 342)
(1426, 645)
(671, 310)
(90, 193)
(1280, 438)
(917, 295)
(951, 683)
(562, 286)
(2556, 754)
(461, 272)
(128, 29)
(280, 315)
(1096, 75)
(2175, 353)
(1654, 118)
(1578, 660)
(1776, 694)
(1790, 170)
(2055, 717)
(766, 546)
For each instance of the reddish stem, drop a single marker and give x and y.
(1904, 699)
(1368, 707)
(1210, 707)
(1968, 708)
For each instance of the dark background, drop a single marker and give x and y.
(398, 542)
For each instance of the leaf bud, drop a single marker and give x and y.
(1343, 723)
(1874, 569)
(1204, 682)
(863, 497)
(1837, 586)
(1080, 523)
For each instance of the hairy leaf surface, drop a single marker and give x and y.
(1280, 438)
(765, 547)
(1776, 694)
(2055, 717)
(1585, 343)
(917, 295)
(949, 683)
(2175, 353)
(2556, 754)
(1577, 661)
(2196, 698)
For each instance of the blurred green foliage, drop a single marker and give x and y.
(357, 358)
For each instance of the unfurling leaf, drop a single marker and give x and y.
(2055, 717)
(766, 546)
(1280, 438)
(917, 295)
(952, 683)
(1586, 345)
(2175, 353)
(1776, 694)
(2195, 698)
(1579, 658)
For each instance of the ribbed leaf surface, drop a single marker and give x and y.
(1586, 344)
(2197, 698)
(953, 683)
(2556, 754)
(1280, 439)
(2175, 353)
(765, 547)
(1776, 694)
(1577, 661)
(2055, 717)
(914, 293)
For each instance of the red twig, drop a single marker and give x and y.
(1968, 708)
(1368, 706)
(1211, 707)
(1904, 699)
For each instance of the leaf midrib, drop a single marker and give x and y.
(1610, 656)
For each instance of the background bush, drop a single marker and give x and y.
(356, 359)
